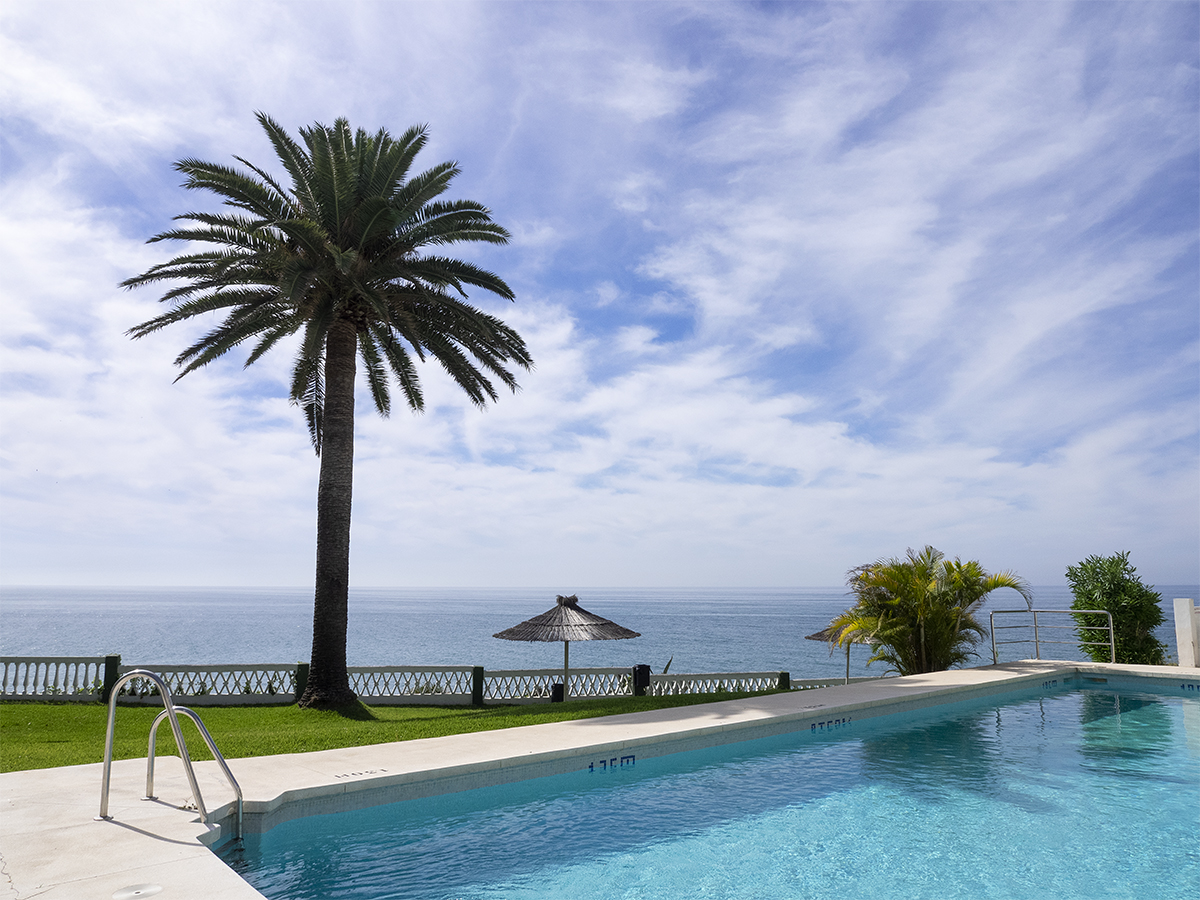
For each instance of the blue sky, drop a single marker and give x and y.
(806, 285)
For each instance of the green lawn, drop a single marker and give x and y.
(44, 735)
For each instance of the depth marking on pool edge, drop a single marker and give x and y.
(605, 764)
(363, 772)
(829, 724)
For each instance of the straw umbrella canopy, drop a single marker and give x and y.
(567, 621)
(829, 636)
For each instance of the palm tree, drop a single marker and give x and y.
(918, 613)
(343, 257)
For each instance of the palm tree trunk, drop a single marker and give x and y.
(328, 681)
(924, 661)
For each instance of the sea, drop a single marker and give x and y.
(693, 630)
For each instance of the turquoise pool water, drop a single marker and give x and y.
(1067, 793)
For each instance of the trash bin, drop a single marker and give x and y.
(556, 692)
(641, 680)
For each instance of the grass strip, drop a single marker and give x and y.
(47, 735)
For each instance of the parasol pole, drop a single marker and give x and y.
(566, 666)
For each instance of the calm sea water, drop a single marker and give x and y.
(701, 630)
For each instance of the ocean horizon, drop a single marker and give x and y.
(695, 629)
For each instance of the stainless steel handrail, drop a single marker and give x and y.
(1037, 641)
(169, 711)
(212, 748)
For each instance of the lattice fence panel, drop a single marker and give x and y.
(518, 685)
(603, 683)
(77, 678)
(387, 681)
(215, 681)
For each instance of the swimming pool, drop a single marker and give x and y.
(1078, 789)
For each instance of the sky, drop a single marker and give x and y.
(806, 285)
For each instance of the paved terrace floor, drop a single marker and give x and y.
(51, 847)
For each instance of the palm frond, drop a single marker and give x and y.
(242, 324)
(239, 189)
(401, 365)
(376, 372)
(285, 207)
(441, 271)
(196, 306)
(347, 239)
(457, 221)
(395, 159)
(288, 325)
(421, 189)
(308, 376)
(252, 241)
(328, 182)
(293, 158)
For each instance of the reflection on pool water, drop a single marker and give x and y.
(1073, 793)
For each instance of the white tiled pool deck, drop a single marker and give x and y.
(51, 847)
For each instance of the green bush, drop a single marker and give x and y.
(1111, 583)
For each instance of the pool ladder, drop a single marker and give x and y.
(170, 712)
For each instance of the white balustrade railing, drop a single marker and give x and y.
(713, 683)
(813, 683)
(52, 677)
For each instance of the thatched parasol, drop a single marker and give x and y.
(567, 622)
(828, 636)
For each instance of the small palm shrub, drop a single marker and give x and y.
(918, 613)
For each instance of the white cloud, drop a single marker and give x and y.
(633, 193)
(636, 339)
(644, 90)
(817, 298)
(606, 293)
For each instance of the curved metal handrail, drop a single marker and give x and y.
(212, 748)
(1038, 640)
(169, 710)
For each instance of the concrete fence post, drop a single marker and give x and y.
(1187, 632)
(477, 685)
(112, 667)
(301, 679)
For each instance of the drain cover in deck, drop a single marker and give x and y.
(134, 891)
